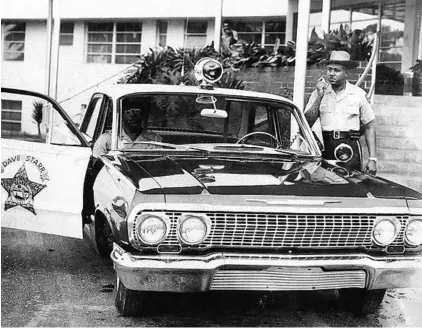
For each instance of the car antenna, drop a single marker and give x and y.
(182, 73)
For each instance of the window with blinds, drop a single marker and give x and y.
(13, 41)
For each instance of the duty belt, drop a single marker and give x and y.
(336, 134)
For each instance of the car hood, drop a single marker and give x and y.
(189, 175)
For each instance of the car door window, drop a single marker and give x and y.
(31, 118)
(90, 121)
(23, 118)
(106, 117)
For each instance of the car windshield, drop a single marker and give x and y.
(211, 122)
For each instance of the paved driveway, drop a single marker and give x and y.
(56, 281)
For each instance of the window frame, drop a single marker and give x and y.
(263, 32)
(10, 110)
(64, 34)
(379, 17)
(57, 109)
(97, 101)
(4, 41)
(160, 33)
(195, 34)
(114, 42)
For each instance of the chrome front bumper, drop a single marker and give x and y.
(229, 271)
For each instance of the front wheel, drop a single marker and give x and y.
(103, 237)
(133, 303)
(361, 301)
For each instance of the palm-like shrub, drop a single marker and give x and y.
(37, 114)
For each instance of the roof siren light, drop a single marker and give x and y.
(208, 71)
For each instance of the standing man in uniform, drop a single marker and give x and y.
(342, 107)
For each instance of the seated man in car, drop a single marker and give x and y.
(134, 130)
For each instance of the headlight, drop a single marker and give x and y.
(385, 231)
(193, 229)
(413, 233)
(152, 229)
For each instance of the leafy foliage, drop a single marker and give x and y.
(175, 66)
(37, 114)
(166, 65)
(252, 55)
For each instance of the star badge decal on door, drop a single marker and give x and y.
(21, 190)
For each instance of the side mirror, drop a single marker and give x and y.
(211, 112)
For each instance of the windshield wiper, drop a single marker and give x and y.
(295, 154)
(155, 143)
(164, 145)
(240, 147)
(265, 150)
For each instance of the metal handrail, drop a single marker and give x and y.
(371, 64)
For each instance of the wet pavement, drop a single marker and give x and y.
(56, 281)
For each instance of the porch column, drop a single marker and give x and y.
(217, 23)
(420, 37)
(326, 16)
(49, 46)
(301, 53)
(411, 37)
(291, 8)
(54, 63)
(55, 49)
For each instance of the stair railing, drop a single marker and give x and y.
(372, 63)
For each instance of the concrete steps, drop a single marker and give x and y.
(402, 156)
(397, 103)
(404, 168)
(408, 144)
(395, 119)
(398, 131)
(399, 139)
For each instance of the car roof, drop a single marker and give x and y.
(119, 90)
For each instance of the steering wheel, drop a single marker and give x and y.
(257, 132)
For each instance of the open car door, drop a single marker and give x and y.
(44, 160)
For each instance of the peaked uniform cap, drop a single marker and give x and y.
(341, 57)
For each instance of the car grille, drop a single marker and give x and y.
(267, 230)
(280, 279)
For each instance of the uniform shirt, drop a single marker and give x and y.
(343, 111)
(103, 143)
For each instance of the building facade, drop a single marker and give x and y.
(99, 39)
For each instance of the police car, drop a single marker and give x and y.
(235, 196)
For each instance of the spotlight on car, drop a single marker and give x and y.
(413, 232)
(208, 70)
(152, 229)
(385, 231)
(193, 229)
